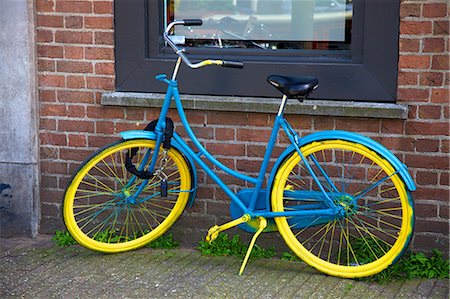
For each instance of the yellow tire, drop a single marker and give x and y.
(101, 210)
(378, 215)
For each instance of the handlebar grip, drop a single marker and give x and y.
(233, 64)
(193, 22)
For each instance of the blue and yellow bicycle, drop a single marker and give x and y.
(330, 194)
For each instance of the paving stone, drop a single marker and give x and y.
(39, 269)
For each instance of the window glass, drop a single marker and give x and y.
(268, 24)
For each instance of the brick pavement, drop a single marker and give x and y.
(39, 269)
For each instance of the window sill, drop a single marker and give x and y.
(260, 105)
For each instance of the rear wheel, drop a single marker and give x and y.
(108, 209)
(377, 213)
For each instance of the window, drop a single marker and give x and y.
(265, 24)
(343, 43)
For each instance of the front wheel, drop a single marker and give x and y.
(377, 215)
(108, 209)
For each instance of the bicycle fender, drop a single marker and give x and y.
(352, 137)
(141, 134)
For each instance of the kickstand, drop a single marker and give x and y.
(262, 226)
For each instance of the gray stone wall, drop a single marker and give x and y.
(19, 200)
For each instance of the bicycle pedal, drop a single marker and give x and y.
(213, 233)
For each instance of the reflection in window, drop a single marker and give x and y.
(267, 24)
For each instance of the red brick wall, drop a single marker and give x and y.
(76, 64)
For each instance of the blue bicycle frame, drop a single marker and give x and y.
(250, 208)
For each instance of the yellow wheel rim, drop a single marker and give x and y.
(320, 255)
(99, 191)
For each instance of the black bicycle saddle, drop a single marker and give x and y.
(294, 87)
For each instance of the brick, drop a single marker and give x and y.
(427, 162)
(51, 209)
(51, 81)
(409, 45)
(408, 78)
(440, 95)
(440, 27)
(105, 112)
(397, 144)
(392, 126)
(75, 96)
(252, 135)
(73, 6)
(105, 127)
(440, 62)
(427, 128)
(44, 36)
(120, 127)
(429, 112)
(101, 141)
(434, 10)
(431, 226)
(427, 145)
(414, 62)
(103, 7)
(100, 83)
(412, 111)
(226, 149)
(45, 65)
(445, 146)
(410, 10)
(45, 5)
(73, 22)
(445, 179)
(203, 132)
(47, 95)
(99, 53)
(75, 126)
(426, 178)
(74, 37)
(413, 94)
(104, 68)
(98, 22)
(225, 133)
(49, 181)
(49, 51)
(435, 45)
(134, 113)
(49, 21)
(73, 52)
(426, 210)
(227, 118)
(78, 154)
(104, 38)
(74, 67)
(47, 124)
(53, 139)
(415, 27)
(324, 123)
(358, 125)
(76, 111)
(52, 110)
(75, 82)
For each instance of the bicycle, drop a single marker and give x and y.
(331, 195)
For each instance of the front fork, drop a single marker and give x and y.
(159, 173)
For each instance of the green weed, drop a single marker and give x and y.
(410, 265)
(163, 242)
(224, 246)
(290, 256)
(415, 265)
(63, 238)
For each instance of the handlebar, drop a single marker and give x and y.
(184, 58)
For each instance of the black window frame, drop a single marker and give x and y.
(366, 73)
